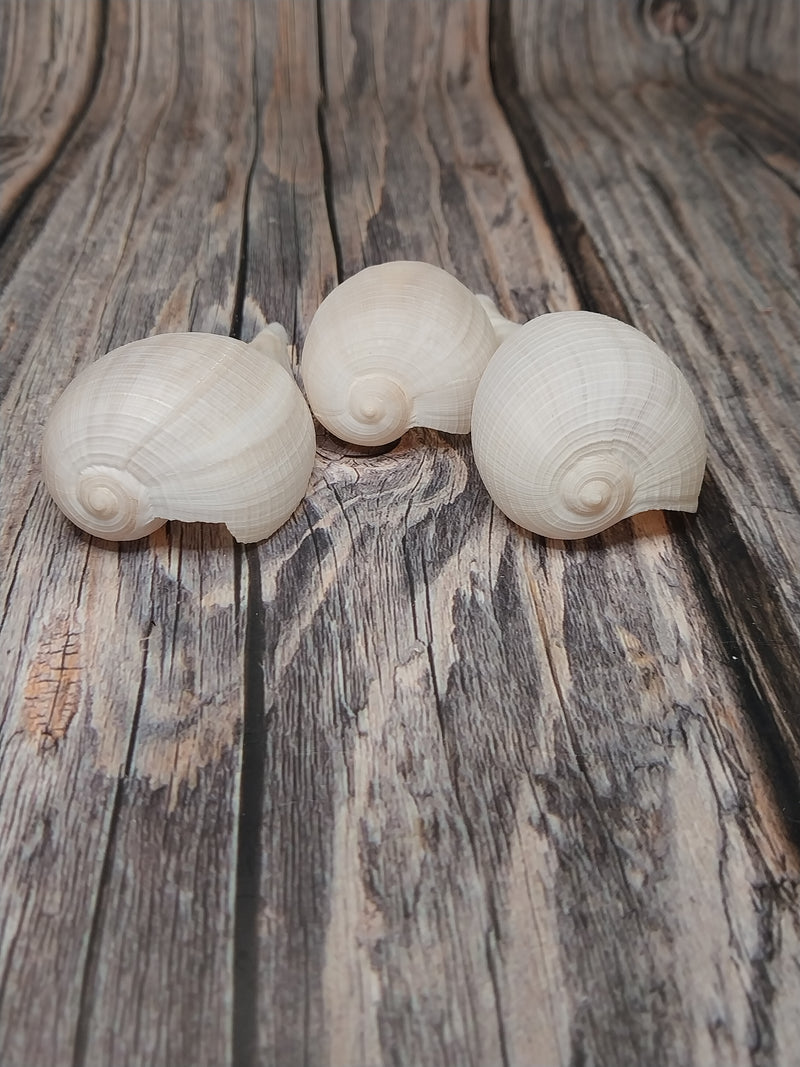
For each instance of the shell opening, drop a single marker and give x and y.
(379, 409)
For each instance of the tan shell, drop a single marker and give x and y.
(580, 421)
(397, 345)
(184, 426)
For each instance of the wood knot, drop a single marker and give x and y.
(675, 20)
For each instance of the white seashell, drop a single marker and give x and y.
(397, 345)
(186, 426)
(502, 326)
(580, 421)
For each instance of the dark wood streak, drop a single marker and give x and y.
(588, 271)
(251, 801)
(761, 642)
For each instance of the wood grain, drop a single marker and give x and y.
(675, 184)
(405, 784)
(477, 813)
(121, 718)
(290, 264)
(49, 58)
(578, 47)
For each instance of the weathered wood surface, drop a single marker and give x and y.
(405, 784)
(122, 709)
(50, 57)
(693, 209)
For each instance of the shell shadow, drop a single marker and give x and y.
(195, 538)
(646, 526)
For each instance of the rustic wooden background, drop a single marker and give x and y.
(404, 784)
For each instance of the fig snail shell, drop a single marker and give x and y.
(397, 345)
(186, 426)
(580, 421)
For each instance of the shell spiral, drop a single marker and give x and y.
(379, 406)
(109, 502)
(580, 421)
(187, 426)
(397, 345)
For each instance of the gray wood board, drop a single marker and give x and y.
(121, 718)
(403, 783)
(492, 731)
(49, 60)
(689, 200)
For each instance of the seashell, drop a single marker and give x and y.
(502, 326)
(580, 421)
(397, 345)
(186, 426)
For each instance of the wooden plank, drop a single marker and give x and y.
(121, 715)
(576, 46)
(49, 57)
(504, 800)
(494, 771)
(685, 230)
(692, 202)
(290, 266)
(291, 259)
(332, 653)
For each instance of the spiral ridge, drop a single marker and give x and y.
(580, 421)
(378, 410)
(109, 504)
(593, 490)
